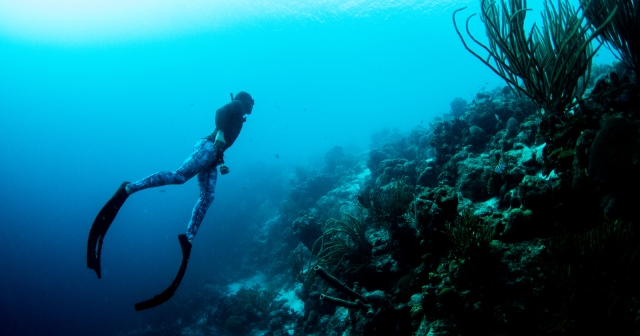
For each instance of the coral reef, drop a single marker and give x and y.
(514, 214)
(483, 238)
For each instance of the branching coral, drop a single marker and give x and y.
(623, 33)
(386, 205)
(343, 242)
(296, 262)
(468, 234)
(255, 300)
(593, 277)
(360, 301)
(550, 65)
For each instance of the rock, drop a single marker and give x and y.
(472, 179)
(512, 128)
(307, 229)
(476, 137)
(458, 107)
(534, 193)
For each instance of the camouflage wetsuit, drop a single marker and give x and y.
(203, 161)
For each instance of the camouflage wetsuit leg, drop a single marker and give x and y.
(202, 162)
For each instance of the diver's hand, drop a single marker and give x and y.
(224, 170)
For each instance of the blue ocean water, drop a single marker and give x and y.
(106, 95)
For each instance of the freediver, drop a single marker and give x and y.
(206, 157)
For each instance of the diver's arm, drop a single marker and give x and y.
(219, 141)
(223, 117)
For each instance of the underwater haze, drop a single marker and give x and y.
(96, 93)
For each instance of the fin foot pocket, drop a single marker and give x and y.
(163, 297)
(100, 226)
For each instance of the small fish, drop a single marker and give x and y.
(243, 188)
(277, 156)
(501, 167)
(623, 97)
(162, 190)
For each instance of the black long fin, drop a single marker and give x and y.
(168, 293)
(100, 226)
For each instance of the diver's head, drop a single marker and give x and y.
(246, 100)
